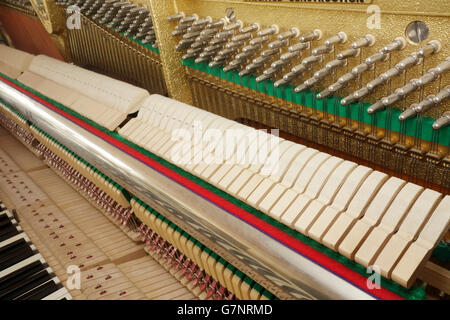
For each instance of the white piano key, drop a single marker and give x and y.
(275, 176)
(336, 228)
(413, 222)
(311, 161)
(376, 240)
(14, 238)
(60, 294)
(327, 194)
(372, 217)
(293, 215)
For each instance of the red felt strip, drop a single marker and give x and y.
(291, 242)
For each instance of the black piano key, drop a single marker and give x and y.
(17, 253)
(20, 275)
(8, 232)
(41, 291)
(28, 285)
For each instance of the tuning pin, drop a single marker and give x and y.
(333, 64)
(176, 16)
(443, 67)
(322, 73)
(377, 106)
(217, 62)
(347, 77)
(273, 29)
(189, 19)
(279, 83)
(323, 49)
(202, 22)
(212, 48)
(311, 59)
(289, 76)
(233, 65)
(250, 48)
(217, 24)
(428, 77)
(259, 40)
(277, 44)
(218, 41)
(250, 28)
(426, 104)
(377, 57)
(207, 54)
(261, 60)
(224, 34)
(409, 61)
(241, 37)
(311, 36)
(243, 55)
(299, 69)
(190, 35)
(391, 99)
(341, 37)
(367, 41)
(233, 26)
(279, 63)
(270, 72)
(398, 44)
(190, 55)
(412, 85)
(261, 78)
(269, 52)
(330, 90)
(408, 113)
(233, 45)
(307, 84)
(323, 94)
(376, 82)
(442, 122)
(444, 94)
(348, 53)
(291, 33)
(431, 47)
(363, 67)
(289, 55)
(299, 47)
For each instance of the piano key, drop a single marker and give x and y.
(336, 226)
(14, 239)
(409, 228)
(276, 175)
(405, 272)
(300, 184)
(20, 264)
(229, 170)
(250, 178)
(60, 294)
(293, 215)
(376, 240)
(326, 196)
(371, 218)
(42, 290)
(288, 180)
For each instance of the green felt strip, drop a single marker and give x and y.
(305, 98)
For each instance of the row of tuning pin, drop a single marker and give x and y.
(266, 53)
(131, 19)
